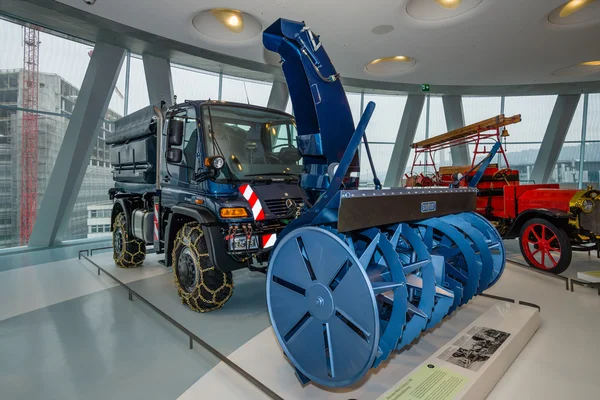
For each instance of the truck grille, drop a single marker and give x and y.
(278, 207)
(591, 221)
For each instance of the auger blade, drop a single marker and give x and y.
(410, 268)
(467, 259)
(492, 234)
(440, 291)
(417, 311)
(480, 246)
(382, 287)
(414, 282)
(366, 257)
(442, 307)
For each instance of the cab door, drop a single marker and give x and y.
(181, 157)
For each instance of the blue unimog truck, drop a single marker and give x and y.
(208, 183)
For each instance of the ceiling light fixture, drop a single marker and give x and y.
(449, 4)
(575, 12)
(388, 59)
(232, 19)
(390, 65)
(591, 63)
(573, 6)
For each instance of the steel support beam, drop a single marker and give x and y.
(406, 136)
(158, 79)
(75, 152)
(279, 96)
(583, 137)
(455, 119)
(555, 135)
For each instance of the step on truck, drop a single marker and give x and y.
(208, 183)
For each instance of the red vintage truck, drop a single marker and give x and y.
(549, 222)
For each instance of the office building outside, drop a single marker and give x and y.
(56, 102)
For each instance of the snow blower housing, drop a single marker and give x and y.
(362, 272)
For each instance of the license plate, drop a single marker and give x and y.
(240, 243)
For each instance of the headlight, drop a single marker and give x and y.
(587, 206)
(216, 162)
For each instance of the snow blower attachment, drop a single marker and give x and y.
(363, 272)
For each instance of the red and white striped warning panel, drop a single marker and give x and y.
(268, 240)
(156, 233)
(252, 198)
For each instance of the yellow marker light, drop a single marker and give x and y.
(199, 201)
(573, 6)
(234, 212)
(591, 63)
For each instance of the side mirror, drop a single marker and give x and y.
(174, 156)
(175, 132)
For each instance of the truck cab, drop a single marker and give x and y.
(208, 183)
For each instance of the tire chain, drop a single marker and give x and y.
(128, 258)
(191, 299)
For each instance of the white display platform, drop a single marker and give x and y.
(589, 276)
(262, 357)
(471, 364)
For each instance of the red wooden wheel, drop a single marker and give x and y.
(545, 246)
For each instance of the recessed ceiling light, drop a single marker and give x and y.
(449, 4)
(227, 25)
(390, 65)
(569, 13)
(232, 19)
(573, 6)
(584, 68)
(437, 10)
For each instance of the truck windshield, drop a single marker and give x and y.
(254, 142)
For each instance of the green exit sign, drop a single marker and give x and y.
(425, 87)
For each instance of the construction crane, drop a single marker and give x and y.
(30, 129)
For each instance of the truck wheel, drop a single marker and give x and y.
(200, 284)
(545, 246)
(128, 251)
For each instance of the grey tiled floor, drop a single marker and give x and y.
(80, 338)
(98, 346)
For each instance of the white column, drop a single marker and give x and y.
(279, 96)
(75, 152)
(158, 79)
(406, 136)
(555, 135)
(453, 111)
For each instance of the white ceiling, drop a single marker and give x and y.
(499, 42)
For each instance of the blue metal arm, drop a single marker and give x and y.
(320, 105)
(330, 199)
(484, 164)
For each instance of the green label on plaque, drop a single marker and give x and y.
(425, 87)
(429, 382)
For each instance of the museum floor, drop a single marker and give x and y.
(67, 333)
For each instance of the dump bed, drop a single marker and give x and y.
(133, 147)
